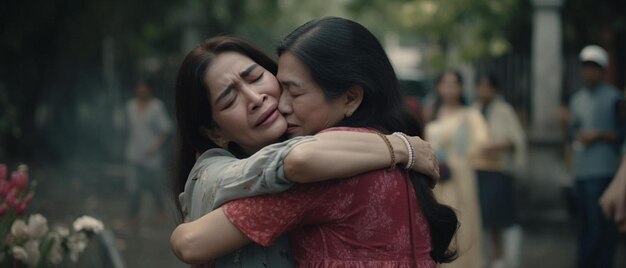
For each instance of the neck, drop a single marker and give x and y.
(486, 101)
(452, 105)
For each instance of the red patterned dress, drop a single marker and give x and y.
(370, 220)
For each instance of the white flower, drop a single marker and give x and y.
(61, 231)
(22, 167)
(29, 254)
(19, 229)
(19, 253)
(37, 226)
(76, 244)
(87, 223)
(32, 252)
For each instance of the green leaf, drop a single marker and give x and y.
(45, 248)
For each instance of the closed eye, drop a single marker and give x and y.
(257, 78)
(231, 101)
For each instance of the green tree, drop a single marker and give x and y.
(458, 30)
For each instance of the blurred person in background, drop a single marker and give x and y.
(595, 140)
(501, 157)
(148, 129)
(458, 133)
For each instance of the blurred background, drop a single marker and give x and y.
(68, 68)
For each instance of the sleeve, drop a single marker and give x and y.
(223, 177)
(264, 218)
(515, 134)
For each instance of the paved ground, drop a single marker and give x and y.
(65, 193)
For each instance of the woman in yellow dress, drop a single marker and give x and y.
(457, 133)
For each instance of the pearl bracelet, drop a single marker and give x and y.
(411, 162)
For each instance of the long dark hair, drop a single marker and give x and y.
(438, 101)
(193, 108)
(340, 54)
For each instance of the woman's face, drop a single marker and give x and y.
(244, 102)
(302, 102)
(485, 91)
(449, 89)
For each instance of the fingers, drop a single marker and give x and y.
(620, 216)
(425, 160)
(607, 206)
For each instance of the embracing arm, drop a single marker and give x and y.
(205, 239)
(340, 154)
(333, 154)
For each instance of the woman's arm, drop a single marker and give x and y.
(196, 242)
(340, 154)
(261, 219)
(613, 200)
(333, 154)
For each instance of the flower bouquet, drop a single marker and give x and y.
(30, 243)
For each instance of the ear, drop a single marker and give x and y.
(216, 136)
(353, 99)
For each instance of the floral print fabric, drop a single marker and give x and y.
(370, 220)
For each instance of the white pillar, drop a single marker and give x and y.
(547, 69)
(541, 185)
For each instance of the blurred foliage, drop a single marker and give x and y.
(458, 30)
(68, 66)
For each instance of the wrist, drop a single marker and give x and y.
(399, 148)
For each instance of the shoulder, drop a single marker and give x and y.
(473, 112)
(157, 104)
(612, 91)
(207, 158)
(214, 152)
(504, 107)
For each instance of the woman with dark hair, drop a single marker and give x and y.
(384, 218)
(226, 97)
(457, 134)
